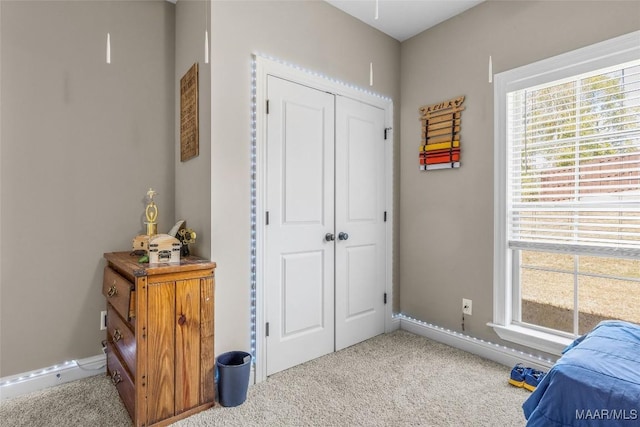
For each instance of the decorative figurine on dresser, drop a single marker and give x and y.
(160, 333)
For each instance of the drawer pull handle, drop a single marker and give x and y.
(117, 335)
(115, 377)
(113, 291)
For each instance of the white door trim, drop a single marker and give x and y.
(263, 67)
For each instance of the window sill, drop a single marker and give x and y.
(543, 341)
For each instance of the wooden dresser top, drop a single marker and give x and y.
(128, 263)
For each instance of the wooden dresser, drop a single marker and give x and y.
(160, 330)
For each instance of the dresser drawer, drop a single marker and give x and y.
(121, 379)
(119, 293)
(122, 338)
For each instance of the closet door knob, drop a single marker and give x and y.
(329, 237)
(343, 236)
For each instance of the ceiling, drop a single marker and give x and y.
(403, 19)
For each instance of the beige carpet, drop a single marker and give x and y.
(398, 379)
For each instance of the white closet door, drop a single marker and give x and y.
(360, 194)
(299, 262)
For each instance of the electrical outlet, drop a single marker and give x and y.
(466, 306)
(103, 320)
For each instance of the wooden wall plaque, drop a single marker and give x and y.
(189, 144)
(441, 125)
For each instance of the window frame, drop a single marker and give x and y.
(506, 290)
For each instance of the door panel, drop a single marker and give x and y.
(362, 189)
(303, 297)
(303, 163)
(360, 259)
(299, 263)
(361, 272)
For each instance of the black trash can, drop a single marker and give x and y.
(234, 368)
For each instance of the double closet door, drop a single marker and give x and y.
(325, 237)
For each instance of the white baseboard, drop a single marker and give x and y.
(17, 385)
(252, 375)
(20, 384)
(393, 324)
(495, 352)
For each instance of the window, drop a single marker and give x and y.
(567, 227)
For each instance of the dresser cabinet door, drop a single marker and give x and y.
(187, 344)
(160, 354)
(179, 346)
(207, 359)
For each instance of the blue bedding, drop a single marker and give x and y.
(596, 382)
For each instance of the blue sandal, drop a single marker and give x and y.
(532, 379)
(518, 375)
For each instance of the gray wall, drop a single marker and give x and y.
(193, 177)
(446, 217)
(313, 35)
(82, 141)
(1, 202)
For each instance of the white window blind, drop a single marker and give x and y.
(573, 164)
